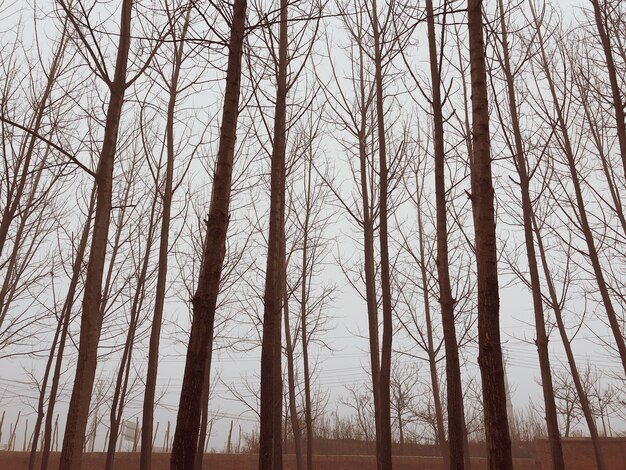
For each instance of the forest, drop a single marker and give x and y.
(282, 227)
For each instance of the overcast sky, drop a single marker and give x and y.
(344, 365)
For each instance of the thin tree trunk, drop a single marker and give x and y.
(432, 360)
(470, 158)
(206, 393)
(42, 393)
(488, 305)
(384, 454)
(49, 433)
(270, 442)
(552, 423)
(304, 297)
(147, 420)
(59, 339)
(205, 298)
(121, 385)
(616, 92)
(291, 380)
(91, 322)
(369, 265)
(568, 150)
(456, 417)
(558, 314)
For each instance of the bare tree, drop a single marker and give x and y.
(270, 442)
(561, 124)
(91, 324)
(456, 425)
(601, 14)
(205, 299)
(164, 241)
(520, 160)
(482, 196)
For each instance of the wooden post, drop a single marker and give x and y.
(166, 438)
(136, 434)
(25, 435)
(156, 431)
(1, 423)
(56, 434)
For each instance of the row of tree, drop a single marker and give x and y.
(421, 125)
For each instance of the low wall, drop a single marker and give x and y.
(130, 461)
(578, 453)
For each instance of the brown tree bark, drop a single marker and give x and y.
(91, 321)
(383, 456)
(488, 305)
(616, 92)
(456, 418)
(430, 343)
(304, 297)
(369, 263)
(567, 345)
(270, 441)
(585, 227)
(291, 382)
(121, 383)
(204, 420)
(519, 156)
(205, 299)
(147, 420)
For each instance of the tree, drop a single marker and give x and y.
(205, 299)
(567, 148)
(520, 160)
(91, 322)
(270, 442)
(383, 455)
(166, 201)
(456, 424)
(601, 16)
(482, 196)
(138, 299)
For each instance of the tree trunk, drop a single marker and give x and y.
(205, 299)
(488, 305)
(121, 384)
(552, 423)
(432, 360)
(91, 321)
(291, 380)
(568, 150)
(66, 314)
(304, 296)
(558, 314)
(456, 417)
(147, 423)
(616, 92)
(270, 442)
(369, 265)
(204, 420)
(384, 454)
